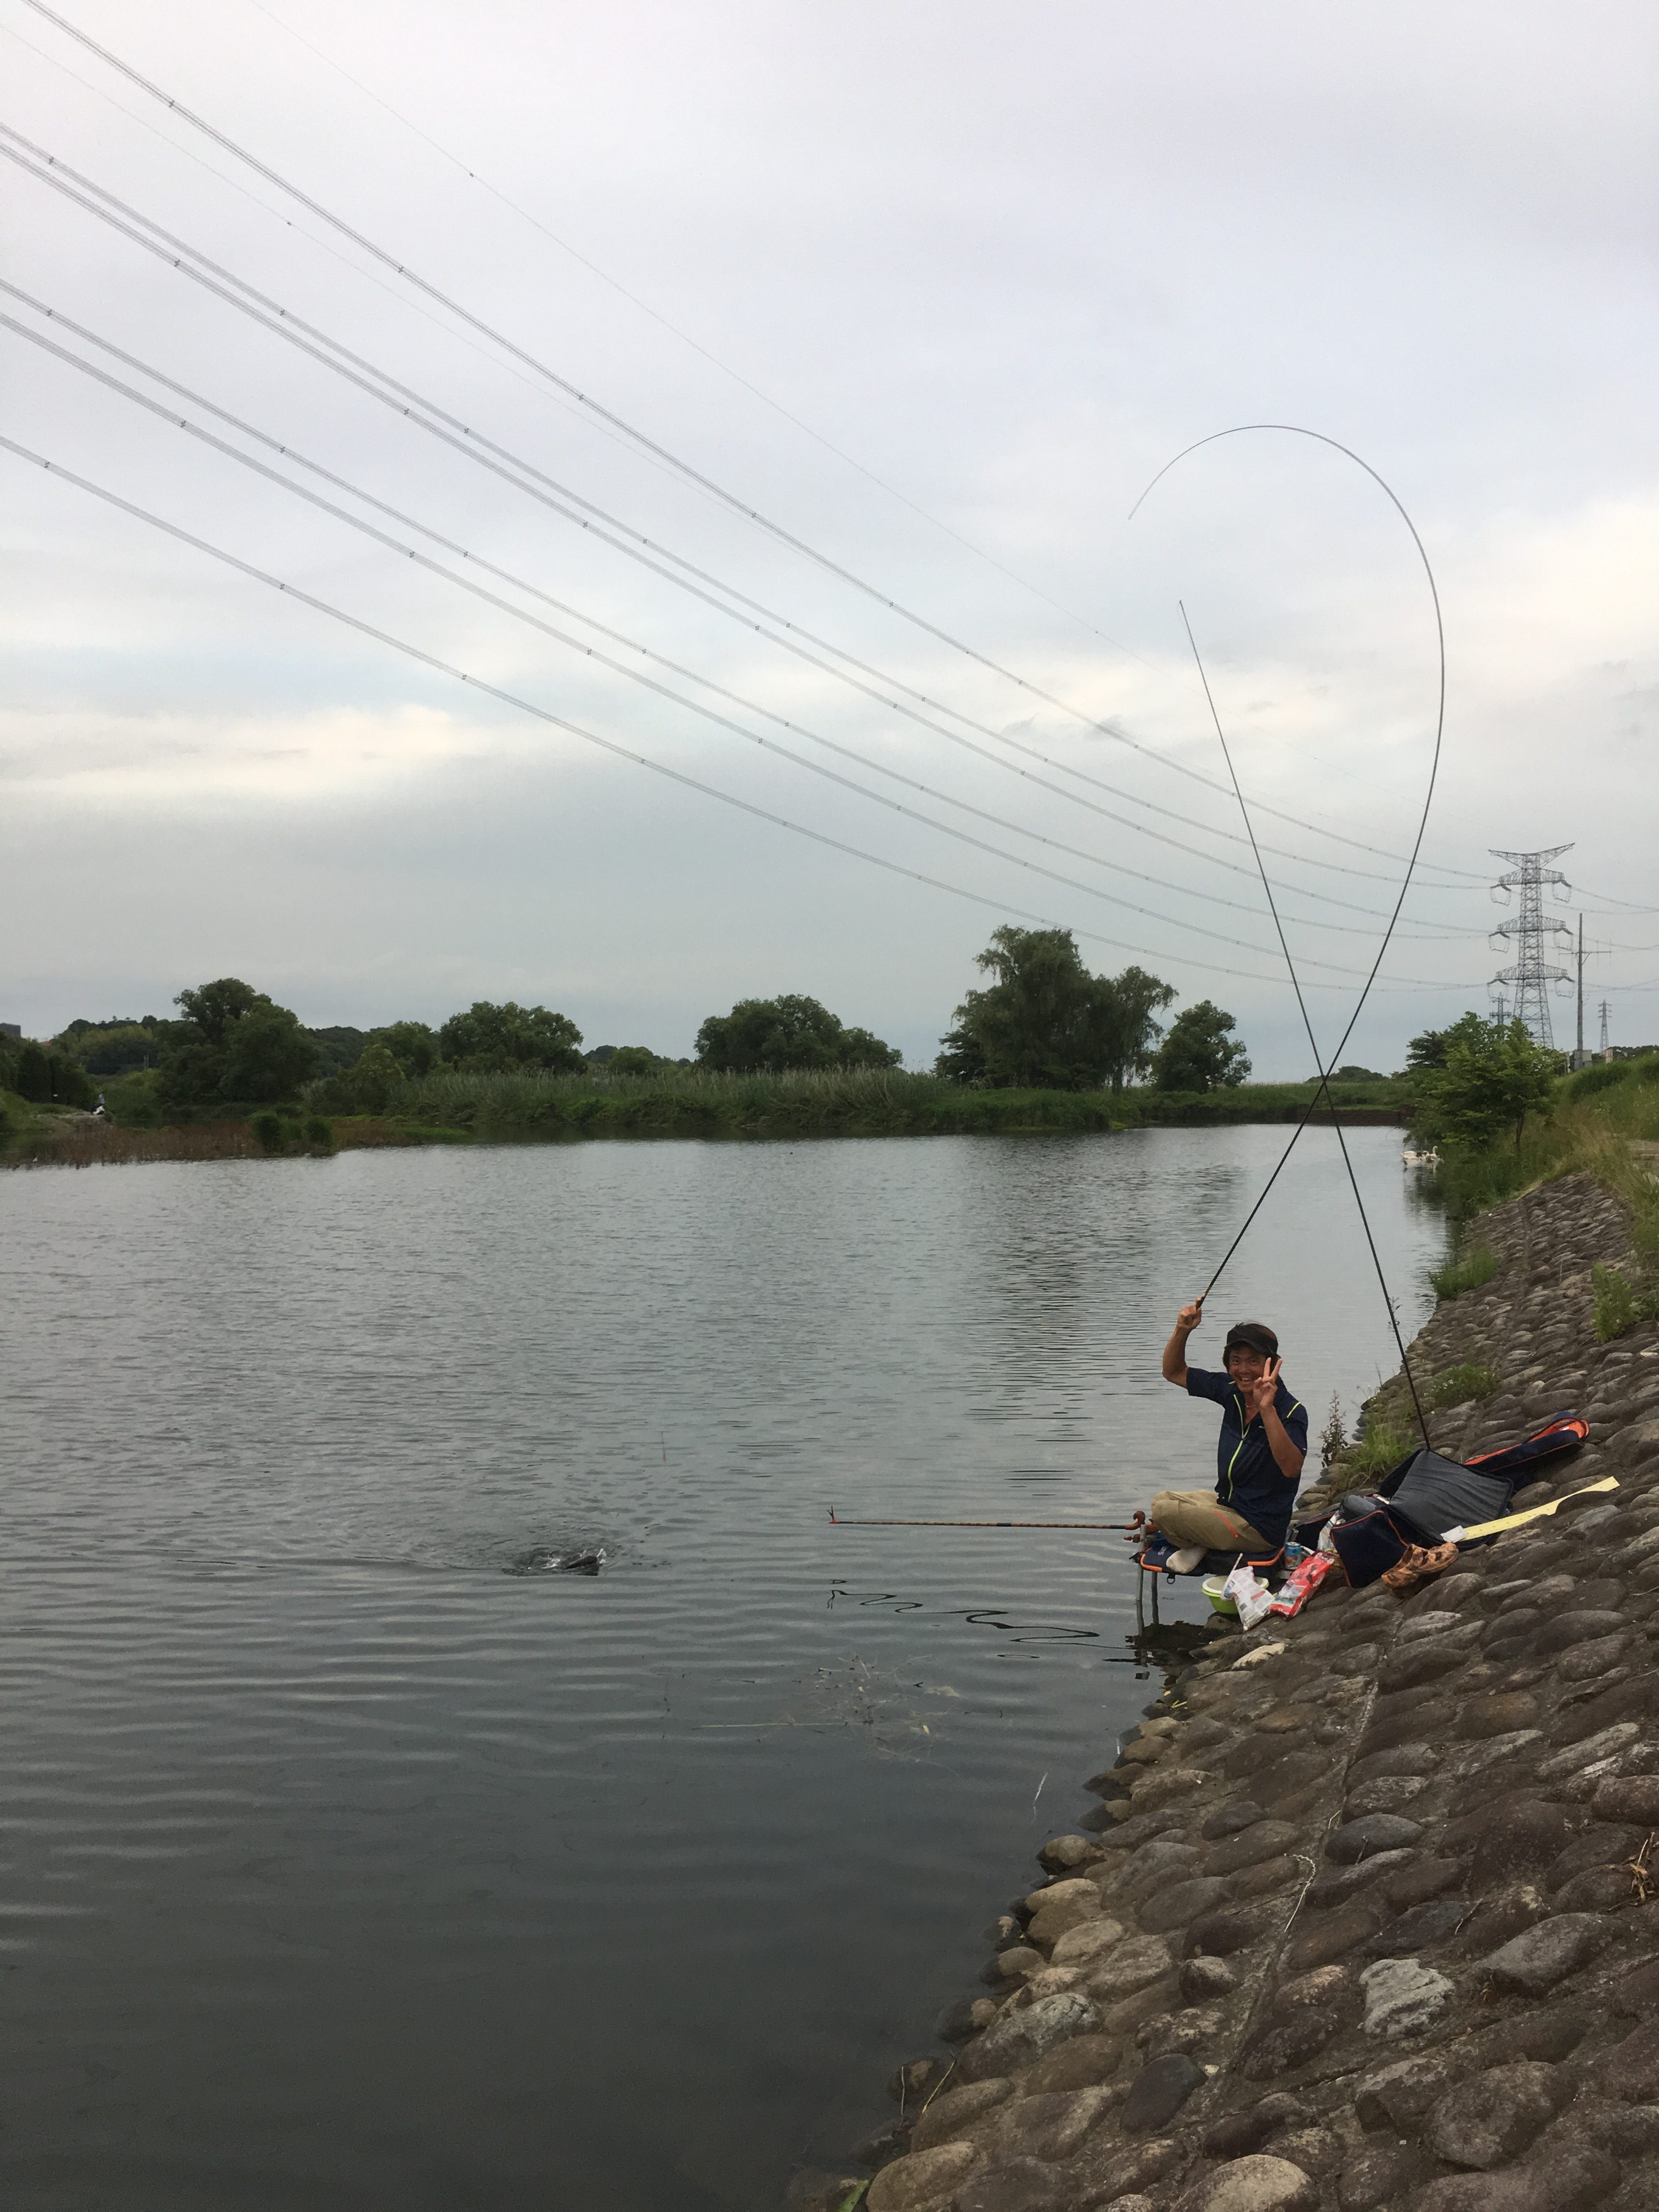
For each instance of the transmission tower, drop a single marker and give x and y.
(1604, 1029)
(1531, 973)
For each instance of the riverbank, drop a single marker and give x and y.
(1362, 1919)
(450, 1108)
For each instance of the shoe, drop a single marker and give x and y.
(1187, 1560)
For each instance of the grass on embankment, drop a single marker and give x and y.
(448, 1108)
(854, 1101)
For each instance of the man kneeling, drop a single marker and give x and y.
(1264, 1441)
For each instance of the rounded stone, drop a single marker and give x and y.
(1389, 1793)
(1016, 2039)
(1377, 1832)
(1491, 2119)
(1050, 2125)
(1534, 1961)
(1570, 1628)
(1258, 2184)
(1401, 1996)
(1236, 2134)
(1158, 2092)
(1120, 1971)
(954, 2111)
(1022, 2185)
(1630, 1797)
(1433, 1922)
(1586, 1662)
(1089, 1941)
(916, 2183)
(1499, 1714)
(1083, 2063)
(1014, 1963)
(1228, 1820)
(1173, 1908)
(1405, 1759)
(1204, 1977)
(1062, 1854)
(1288, 2041)
(1331, 1936)
(1234, 1927)
(1262, 1839)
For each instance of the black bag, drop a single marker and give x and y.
(1428, 1494)
(1367, 1546)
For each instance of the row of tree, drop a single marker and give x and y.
(1041, 1020)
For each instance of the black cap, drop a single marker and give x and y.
(1251, 1336)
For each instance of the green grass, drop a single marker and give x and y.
(854, 1101)
(1616, 1303)
(1457, 1385)
(1464, 1273)
(1382, 1447)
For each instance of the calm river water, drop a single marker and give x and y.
(351, 1858)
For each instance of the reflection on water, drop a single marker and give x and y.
(357, 1853)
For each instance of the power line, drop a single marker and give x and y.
(342, 483)
(769, 744)
(1108, 728)
(664, 322)
(576, 729)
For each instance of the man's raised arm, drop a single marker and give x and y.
(1175, 1352)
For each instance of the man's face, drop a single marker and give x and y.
(1246, 1365)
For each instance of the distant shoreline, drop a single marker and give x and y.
(757, 1110)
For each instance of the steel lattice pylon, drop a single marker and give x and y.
(1531, 974)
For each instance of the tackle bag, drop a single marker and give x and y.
(1368, 1545)
(1430, 1494)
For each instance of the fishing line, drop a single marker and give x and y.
(1296, 429)
(1324, 1086)
(840, 1521)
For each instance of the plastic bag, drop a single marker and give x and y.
(1251, 1596)
(1299, 1586)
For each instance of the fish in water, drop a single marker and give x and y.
(585, 1560)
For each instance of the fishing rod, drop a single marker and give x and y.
(1307, 1023)
(838, 1521)
(1322, 1090)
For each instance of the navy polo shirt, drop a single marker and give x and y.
(1247, 1477)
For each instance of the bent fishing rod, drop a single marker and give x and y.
(1322, 1087)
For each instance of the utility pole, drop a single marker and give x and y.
(1579, 1050)
(1531, 973)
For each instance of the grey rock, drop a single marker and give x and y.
(1377, 1832)
(1158, 2092)
(1159, 1861)
(1062, 1854)
(1085, 2062)
(1415, 1930)
(1389, 1793)
(919, 2182)
(1491, 2119)
(1262, 1839)
(1403, 1997)
(1496, 1749)
(1087, 1943)
(1237, 2133)
(1580, 1755)
(1228, 1820)
(1630, 2071)
(1570, 1628)
(1018, 2038)
(1022, 2185)
(908, 2084)
(1405, 1759)
(1123, 1969)
(1174, 1908)
(1401, 2094)
(1203, 1979)
(1547, 1954)
(1632, 1797)
(1331, 1935)
(1378, 2178)
(953, 2112)
(1258, 2184)
(1336, 1885)
(1288, 2040)
(1051, 2124)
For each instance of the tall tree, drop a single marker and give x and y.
(234, 1044)
(1429, 1051)
(1201, 1053)
(1044, 1022)
(497, 1039)
(1493, 1077)
(771, 1035)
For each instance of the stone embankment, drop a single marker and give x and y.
(1363, 1918)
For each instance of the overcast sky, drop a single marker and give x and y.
(937, 290)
